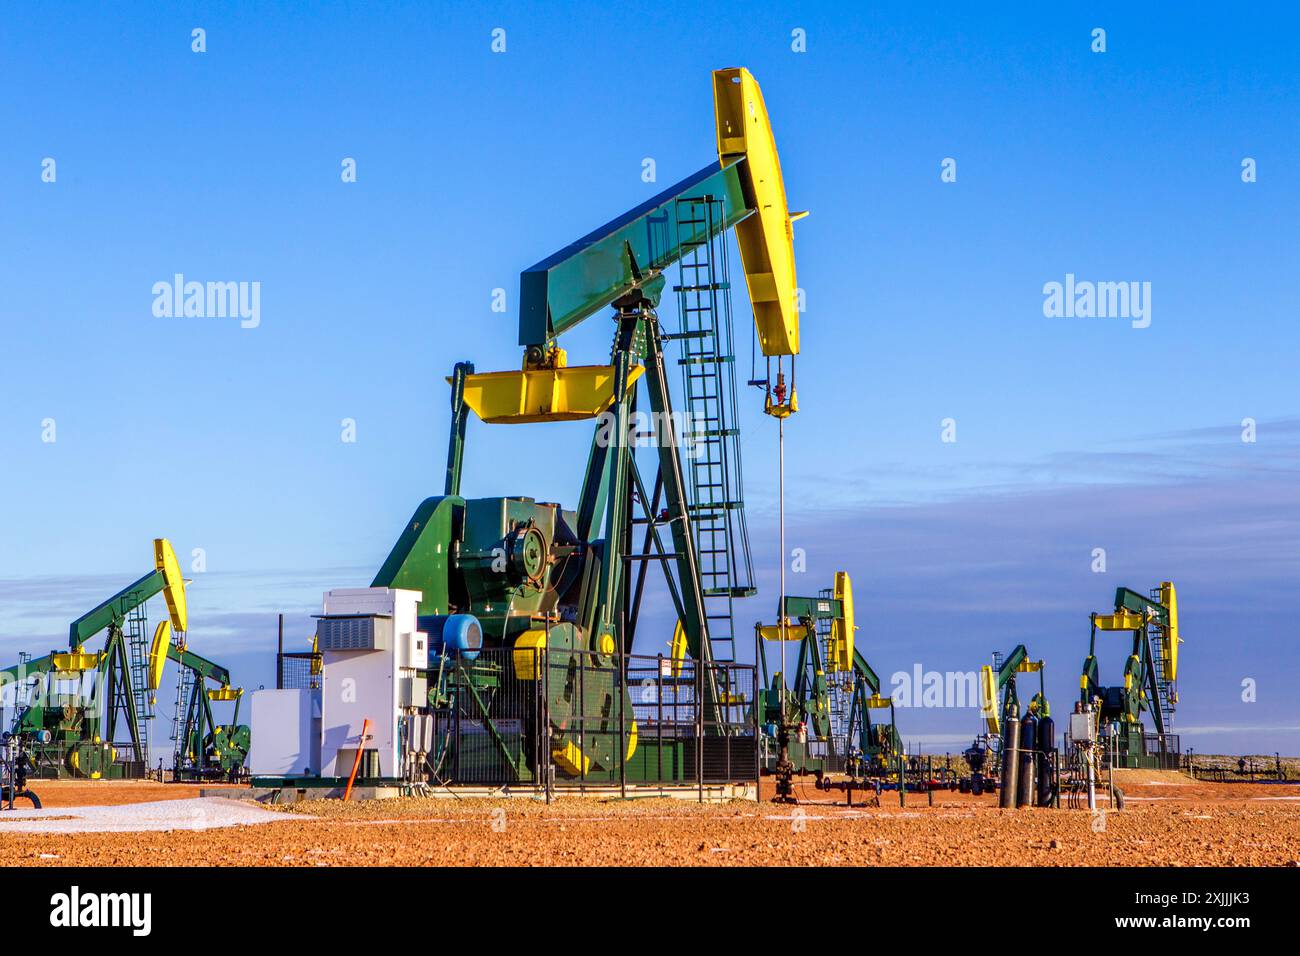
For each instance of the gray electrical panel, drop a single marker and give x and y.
(1081, 728)
(412, 692)
(355, 632)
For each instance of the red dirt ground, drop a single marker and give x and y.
(111, 793)
(1169, 820)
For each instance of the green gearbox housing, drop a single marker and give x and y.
(512, 562)
(517, 566)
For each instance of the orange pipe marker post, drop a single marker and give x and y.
(365, 728)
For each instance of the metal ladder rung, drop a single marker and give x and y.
(739, 592)
(707, 287)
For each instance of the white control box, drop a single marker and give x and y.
(371, 648)
(285, 730)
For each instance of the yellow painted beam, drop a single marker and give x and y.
(75, 661)
(678, 652)
(989, 700)
(1169, 598)
(1121, 620)
(766, 239)
(174, 589)
(560, 394)
(158, 653)
(842, 629)
(794, 631)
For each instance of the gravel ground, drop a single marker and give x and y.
(1179, 824)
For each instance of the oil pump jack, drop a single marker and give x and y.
(539, 578)
(94, 706)
(1005, 726)
(1150, 679)
(87, 713)
(820, 721)
(203, 747)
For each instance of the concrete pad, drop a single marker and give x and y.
(712, 793)
(198, 813)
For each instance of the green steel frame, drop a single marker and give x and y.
(450, 547)
(204, 746)
(874, 743)
(1123, 705)
(606, 264)
(89, 724)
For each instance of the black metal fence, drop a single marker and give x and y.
(830, 753)
(52, 762)
(485, 726)
(573, 719)
(1159, 752)
(1163, 750)
(297, 670)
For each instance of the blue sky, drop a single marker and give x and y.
(924, 302)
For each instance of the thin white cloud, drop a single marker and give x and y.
(1242, 729)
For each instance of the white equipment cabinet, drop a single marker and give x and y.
(286, 734)
(371, 648)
